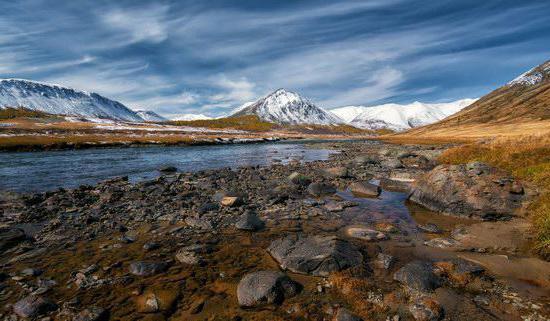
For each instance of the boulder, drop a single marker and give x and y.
(459, 271)
(321, 189)
(249, 221)
(142, 268)
(33, 306)
(231, 201)
(168, 169)
(346, 315)
(418, 276)
(473, 190)
(315, 255)
(336, 172)
(365, 233)
(265, 287)
(363, 189)
(192, 254)
(299, 179)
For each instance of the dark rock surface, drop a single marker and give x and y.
(142, 268)
(32, 306)
(418, 276)
(265, 287)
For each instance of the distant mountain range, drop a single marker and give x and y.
(148, 115)
(188, 117)
(399, 117)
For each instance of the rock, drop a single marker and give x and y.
(265, 287)
(459, 271)
(365, 233)
(363, 189)
(199, 222)
(321, 189)
(467, 190)
(31, 272)
(384, 261)
(441, 242)
(430, 228)
(231, 201)
(33, 306)
(208, 207)
(334, 206)
(426, 309)
(191, 254)
(418, 276)
(299, 179)
(346, 315)
(392, 163)
(366, 159)
(150, 246)
(156, 301)
(91, 314)
(249, 221)
(387, 227)
(412, 160)
(142, 268)
(10, 237)
(315, 255)
(336, 172)
(168, 169)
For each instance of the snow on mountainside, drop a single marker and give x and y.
(55, 99)
(286, 107)
(148, 115)
(533, 76)
(187, 117)
(399, 117)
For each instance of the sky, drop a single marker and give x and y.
(209, 57)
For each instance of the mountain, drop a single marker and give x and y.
(399, 117)
(55, 99)
(187, 117)
(286, 107)
(149, 115)
(523, 100)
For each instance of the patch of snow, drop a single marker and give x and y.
(149, 115)
(533, 76)
(188, 117)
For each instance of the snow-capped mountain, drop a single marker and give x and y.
(286, 107)
(533, 76)
(55, 99)
(149, 115)
(399, 117)
(187, 117)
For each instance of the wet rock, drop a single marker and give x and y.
(426, 309)
(192, 254)
(441, 242)
(459, 271)
(336, 172)
(418, 276)
(208, 207)
(334, 206)
(150, 246)
(363, 189)
(467, 190)
(315, 255)
(31, 272)
(142, 268)
(346, 315)
(365, 233)
(430, 228)
(33, 306)
(168, 169)
(384, 261)
(299, 179)
(10, 237)
(249, 221)
(91, 314)
(320, 189)
(156, 301)
(265, 287)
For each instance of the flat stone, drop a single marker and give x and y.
(199, 222)
(142, 268)
(315, 255)
(249, 221)
(363, 189)
(32, 306)
(231, 201)
(321, 189)
(265, 287)
(192, 254)
(150, 246)
(418, 276)
(441, 242)
(365, 233)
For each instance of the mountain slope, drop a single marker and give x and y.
(286, 107)
(399, 117)
(54, 99)
(187, 117)
(149, 115)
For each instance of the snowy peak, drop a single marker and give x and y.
(399, 117)
(55, 99)
(287, 107)
(532, 77)
(188, 117)
(149, 115)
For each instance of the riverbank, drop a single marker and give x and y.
(183, 246)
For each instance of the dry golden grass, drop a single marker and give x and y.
(12, 113)
(526, 157)
(248, 123)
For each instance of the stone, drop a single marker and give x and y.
(418, 276)
(33, 306)
(10, 237)
(315, 255)
(156, 301)
(429, 228)
(392, 163)
(334, 206)
(467, 190)
(346, 315)
(168, 169)
(31, 272)
(91, 314)
(142, 268)
(384, 261)
(412, 160)
(336, 172)
(459, 271)
(363, 189)
(299, 179)
(365, 233)
(150, 246)
(426, 309)
(321, 189)
(231, 201)
(199, 223)
(441, 242)
(192, 254)
(265, 287)
(249, 221)
(208, 207)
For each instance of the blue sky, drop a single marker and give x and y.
(211, 56)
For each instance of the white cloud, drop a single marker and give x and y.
(233, 90)
(147, 24)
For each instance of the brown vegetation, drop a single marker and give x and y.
(248, 123)
(12, 113)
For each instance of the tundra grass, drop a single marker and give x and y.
(527, 158)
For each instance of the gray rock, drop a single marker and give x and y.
(202, 223)
(91, 314)
(315, 255)
(384, 261)
(336, 172)
(142, 268)
(365, 233)
(31, 272)
(441, 242)
(418, 276)
(392, 163)
(265, 287)
(426, 309)
(192, 254)
(430, 228)
(150, 246)
(10, 238)
(32, 306)
(249, 221)
(365, 189)
(320, 189)
(346, 315)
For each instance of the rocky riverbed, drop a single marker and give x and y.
(326, 240)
